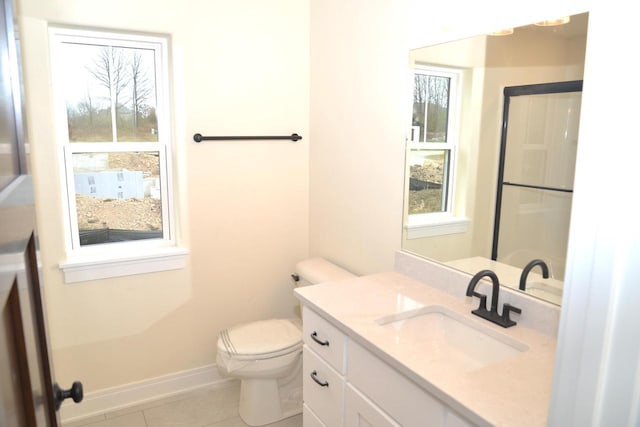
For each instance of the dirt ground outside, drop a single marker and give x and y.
(119, 214)
(426, 200)
(123, 214)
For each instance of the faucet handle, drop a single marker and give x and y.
(483, 300)
(506, 309)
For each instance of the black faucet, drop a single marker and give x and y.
(491, 315)
(527, 269)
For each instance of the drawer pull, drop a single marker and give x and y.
(314, 336)
(314, 376)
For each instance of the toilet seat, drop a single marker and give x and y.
(264, 339)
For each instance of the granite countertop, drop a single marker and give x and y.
(512, 392)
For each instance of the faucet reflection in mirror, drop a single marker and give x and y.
(453, 155)
(527, 269)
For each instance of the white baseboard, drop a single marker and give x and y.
(132, 394)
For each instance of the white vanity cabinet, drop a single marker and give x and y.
(323, 371)
(360, 411)
(345, 385)
(391, 393)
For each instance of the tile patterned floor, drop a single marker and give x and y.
(207, 407)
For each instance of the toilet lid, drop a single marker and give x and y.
(261, 337)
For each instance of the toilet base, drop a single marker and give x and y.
(265, 401)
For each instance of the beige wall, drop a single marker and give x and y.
(239, 67)
(359, 104)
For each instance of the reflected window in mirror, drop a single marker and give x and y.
(432, 147)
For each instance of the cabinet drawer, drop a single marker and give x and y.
(403, 400)
(360, 411)
(324, 395)
(325, 339)
(309, 419)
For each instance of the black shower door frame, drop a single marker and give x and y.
(509, 92)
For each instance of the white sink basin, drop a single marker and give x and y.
(446, 338)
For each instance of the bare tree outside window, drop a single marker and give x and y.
(86, 108)
(111, 94)
(431, 106)
(109, 69)
(141, 90)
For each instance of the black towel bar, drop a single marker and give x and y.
(197, 137)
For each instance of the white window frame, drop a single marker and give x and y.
(166, 202)
(444, 222)
(100, 261)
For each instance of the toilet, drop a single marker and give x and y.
(266, 355)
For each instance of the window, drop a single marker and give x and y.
(115, 137)
(432, 145)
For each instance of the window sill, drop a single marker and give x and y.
(82, 269)
(429, 225)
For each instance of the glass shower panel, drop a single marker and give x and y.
(542, 139)
(537, 165)
(535, 224)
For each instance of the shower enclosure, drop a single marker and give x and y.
(535, 178)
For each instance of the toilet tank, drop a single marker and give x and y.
(318, 270)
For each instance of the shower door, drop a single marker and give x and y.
(535, 180)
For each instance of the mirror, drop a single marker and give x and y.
(491, 153)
